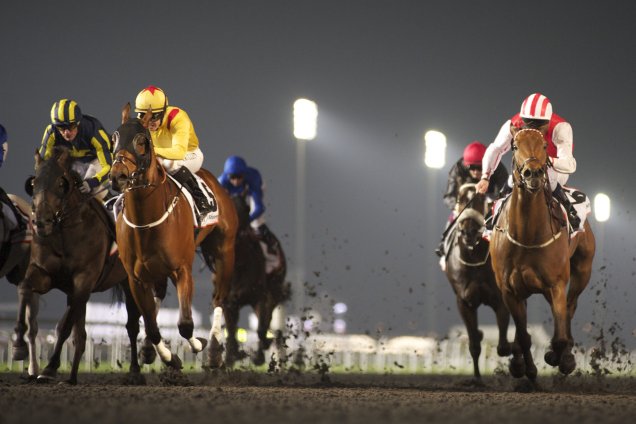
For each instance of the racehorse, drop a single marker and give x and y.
(14, 260)
(532, 253)
(469, 271)
(254, 283)
(155, 234)
(71, 251)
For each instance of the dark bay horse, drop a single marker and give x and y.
(532, 253)
(254, 284)
(71, 251)
(469, 271)
(14, 260)
(156, 238)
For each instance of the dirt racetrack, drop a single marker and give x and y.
(246, 397)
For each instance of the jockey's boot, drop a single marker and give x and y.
(4, 198)
(560, 195)
(187, 179)
(268, 238)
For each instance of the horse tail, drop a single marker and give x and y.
(117, 295)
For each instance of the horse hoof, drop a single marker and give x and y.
(215, 354)
(204, 343)
(175, 363)
(45, 379)
(517, 367)
(504, 350)
(20, 352)
(147, 355)
(531, 372)
(567, 364)
(551, 358)
(259, 358)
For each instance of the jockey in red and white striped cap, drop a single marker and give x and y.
(536, 112)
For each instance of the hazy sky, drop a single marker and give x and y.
(382, 73)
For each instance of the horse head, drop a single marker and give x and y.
(468, 197)
(470, 225)
(134, 154)
(54, 186)
(530, 160)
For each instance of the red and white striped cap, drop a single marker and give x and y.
(536, 106)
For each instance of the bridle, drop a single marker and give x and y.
(135, 179)
(476, 216)
(525, 176)
(64, 211)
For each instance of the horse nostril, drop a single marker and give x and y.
(527, 173)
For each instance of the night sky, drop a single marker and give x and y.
(382, 74)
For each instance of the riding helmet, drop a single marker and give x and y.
(474, 153)
(536, 106)
(151, 97)
(65, 112)
(235, 165)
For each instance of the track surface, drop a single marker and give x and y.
(245, 397)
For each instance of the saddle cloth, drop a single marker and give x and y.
(577, 198)
(199, 222)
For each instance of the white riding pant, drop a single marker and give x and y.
(193, 160)
(88, 170)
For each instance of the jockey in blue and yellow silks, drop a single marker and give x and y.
(87, 141)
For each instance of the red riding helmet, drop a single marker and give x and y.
(474, 153)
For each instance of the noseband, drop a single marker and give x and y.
(530, 180)
(135, 178)
(63, 212)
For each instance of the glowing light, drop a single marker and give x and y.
(435, 149)
(305, 119)
(601, 207)
(339, 308)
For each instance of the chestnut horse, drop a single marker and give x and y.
(253, 284)
(469, 271)
(14, 260)
(156, 238)
(71, 251)
(532, 253)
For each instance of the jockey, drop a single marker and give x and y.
(175, 142)
(239, 179)
(87, 141)
(468, 170)
(536, 113)
(4, 198)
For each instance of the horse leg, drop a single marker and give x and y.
(185, 324)
(132, 328)
(264, 320)
(503, 320)
(79, 340)
(560, 342)
(469, 316)
(521, 362)
(32, 318)
(20, 348)
(148, 354)
(146, 303)
(231, 313)
(75, 310)
(224, 267)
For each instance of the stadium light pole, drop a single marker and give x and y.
(305, 113)
(601, 214)
(434, 159)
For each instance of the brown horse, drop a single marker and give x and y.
(532, 253)
(14, 260)
(469, 271)
(253, 284)
(71, 251)
(156, 238)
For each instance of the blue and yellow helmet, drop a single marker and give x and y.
(235, 165)
(65, 112)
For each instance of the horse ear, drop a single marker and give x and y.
(145, 120)
(38, 158)
(63, 158)
(125, 113)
